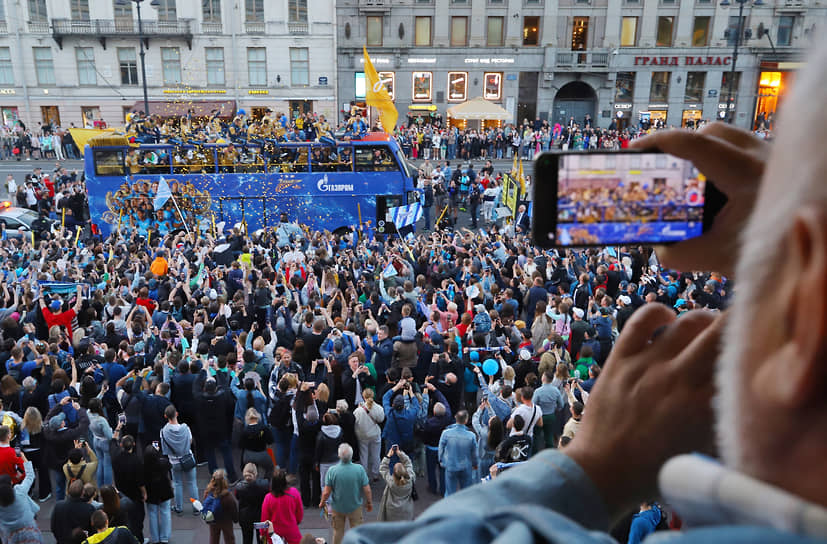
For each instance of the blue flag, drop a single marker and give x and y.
(389, 271)
(164, 194)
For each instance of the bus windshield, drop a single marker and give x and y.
(349, 185)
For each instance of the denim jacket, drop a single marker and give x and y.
(458, 448)
(550, 499)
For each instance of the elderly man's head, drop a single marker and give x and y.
(770, 422)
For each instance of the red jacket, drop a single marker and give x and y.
(11, 464)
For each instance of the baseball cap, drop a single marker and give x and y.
(55, 305)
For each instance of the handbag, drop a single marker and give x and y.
(186, 461)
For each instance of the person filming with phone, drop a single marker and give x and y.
(704, 382)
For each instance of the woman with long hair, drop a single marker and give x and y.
(282, 509)
(159, 493)
(113, 505)
(397, 502)
(10, 393)
(101, 437)
(219, 488)
(250, 493)
(33, 444)
(490, 433)
(369, 415)
(253, 441)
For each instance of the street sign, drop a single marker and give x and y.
(323, 81)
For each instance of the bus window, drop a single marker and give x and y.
(322, 159)
(413, 197)
(344, 159)
(375, 159)
(109, 162)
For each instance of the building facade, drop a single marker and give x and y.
(617, 60)
(75, 61)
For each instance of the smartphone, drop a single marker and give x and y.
(121, 418)
(260, 525)
(620, 197)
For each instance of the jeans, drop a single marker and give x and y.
(60, 484)
(436, 474)
(287, 450)
(426, 213)
(456, 480)
(104, 473)
(369, 454)
(178, 477)
(160, 522)
(472, 210)
(226, 452)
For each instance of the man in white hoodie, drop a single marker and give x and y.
(176, 442)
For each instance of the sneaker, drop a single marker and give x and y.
(46, 498)
(178, 511)
(195, 512)
(201, 464)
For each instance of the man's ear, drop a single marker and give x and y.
(804, 312)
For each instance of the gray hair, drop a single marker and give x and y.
(439, 409)
(29, 383)
(341, 405)
(345, 452)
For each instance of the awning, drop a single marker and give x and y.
(479, 109)
(179, 108)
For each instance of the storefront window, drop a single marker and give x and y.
(771, 88)
(694, 87)
(659, 91)
(359, 85)
(388, 79)
(422, 86)
(493, 86)
(10, 116)
(457, 86)
(690, 118)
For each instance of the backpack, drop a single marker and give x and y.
(281, 415)
(74, 477)
(211, 508)
(475, 194)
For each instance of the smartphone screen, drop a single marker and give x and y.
(615, 198)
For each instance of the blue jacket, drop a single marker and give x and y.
(643, 524)
(399, 425)
(384, 355)
(458, 449)
(501, 408)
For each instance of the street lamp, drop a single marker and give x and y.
(733, 101)
(138, 3)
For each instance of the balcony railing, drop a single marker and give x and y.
(374, 5)
(38, 27)
(298, 28)
(119, 28)
(582, 59)
(212, 28)
(255, 27)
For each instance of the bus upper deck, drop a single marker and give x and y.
(326, 187)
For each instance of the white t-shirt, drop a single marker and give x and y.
(530, 414)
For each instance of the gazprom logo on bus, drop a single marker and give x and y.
(324, 186)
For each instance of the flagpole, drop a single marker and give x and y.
(184, 221)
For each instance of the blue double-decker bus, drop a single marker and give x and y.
(349, 185)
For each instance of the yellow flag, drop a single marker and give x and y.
(521, 178)
(514, 166)
(376, 95)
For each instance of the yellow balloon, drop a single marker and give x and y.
(221, 141)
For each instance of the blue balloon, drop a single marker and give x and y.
(242, 112)
(490, 367)
(474, 356)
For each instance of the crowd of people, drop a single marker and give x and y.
(314, 365)
(46, 141)
(302, 369)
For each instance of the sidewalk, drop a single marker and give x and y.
(188, 528)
